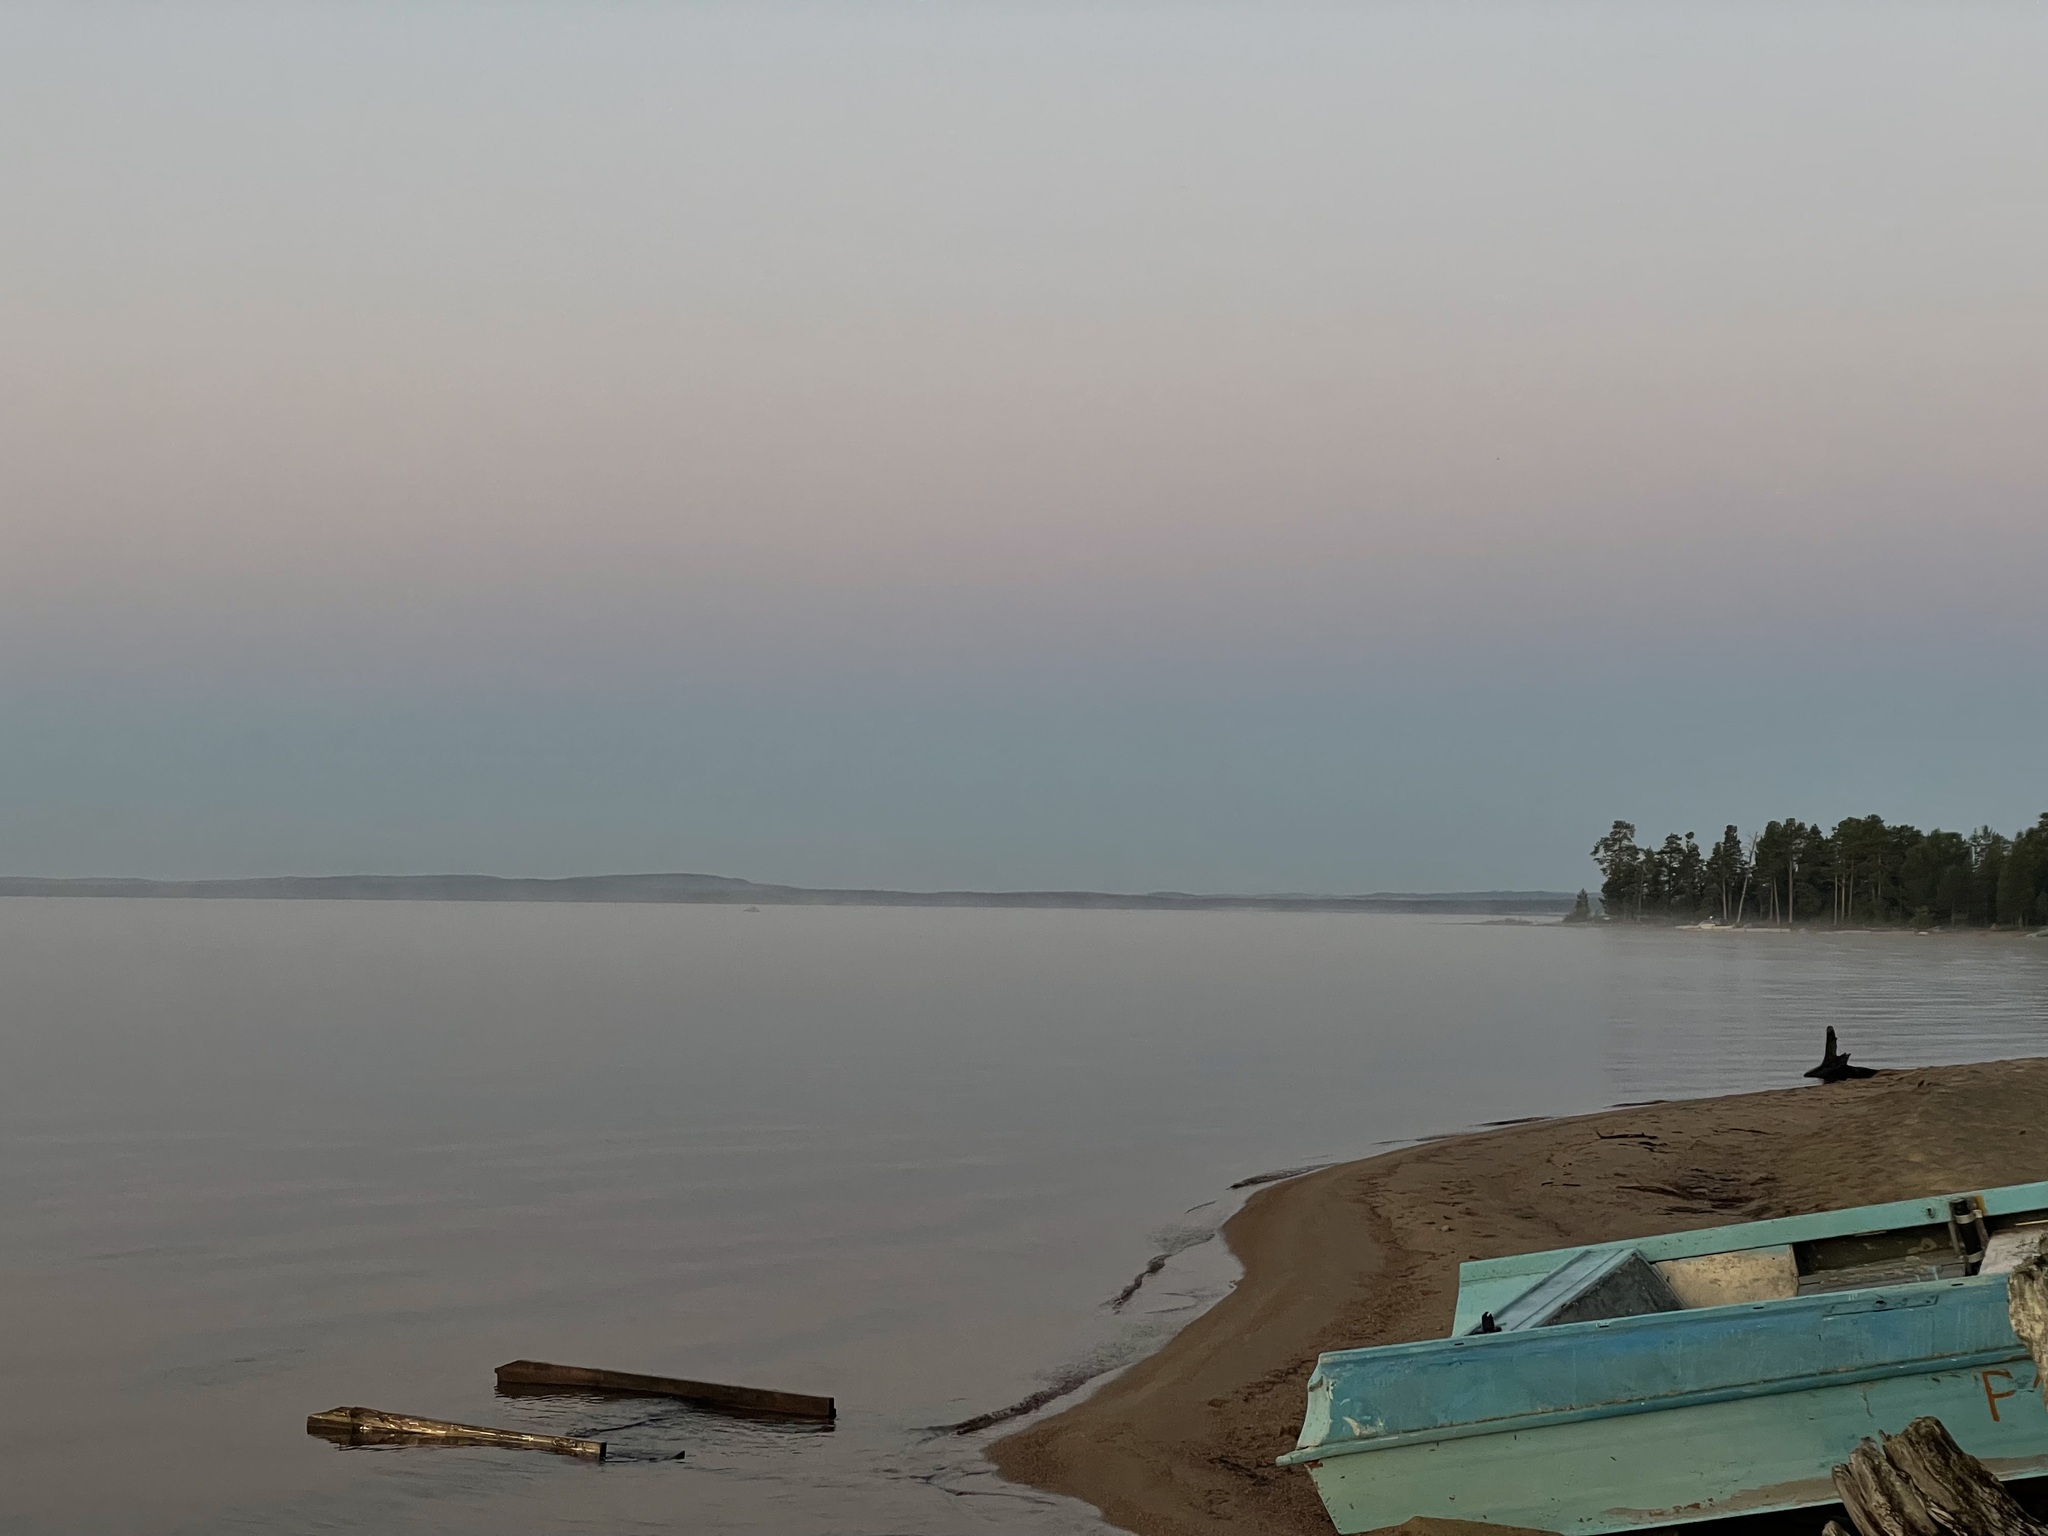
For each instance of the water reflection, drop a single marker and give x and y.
(1692, 1012)
(261, 1158)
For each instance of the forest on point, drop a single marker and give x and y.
(1865, 872)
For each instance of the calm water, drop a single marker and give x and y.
(263, 1159)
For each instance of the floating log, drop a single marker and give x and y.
(1919, 1482)
(705, 1394)
(371, 1426)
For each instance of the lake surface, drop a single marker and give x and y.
(266, 1158)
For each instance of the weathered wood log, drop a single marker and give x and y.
(1959, 1491)
(372, 1426)
(1879, 1498)
(2026, 1304)
(703, 1394)
(1919, 1482)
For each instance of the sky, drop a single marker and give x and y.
(1249, 447)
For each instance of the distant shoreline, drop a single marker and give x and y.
(720, 890)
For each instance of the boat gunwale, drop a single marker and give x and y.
(1516, 1423)
(1476, 1276)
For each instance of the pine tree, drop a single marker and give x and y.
(2018, 878)
(1727, 867)
(1621, 869)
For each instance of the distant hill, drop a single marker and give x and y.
(722, 890)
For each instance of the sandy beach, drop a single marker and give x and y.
(1367, 1252)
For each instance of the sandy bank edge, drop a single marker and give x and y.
(1366, 1252)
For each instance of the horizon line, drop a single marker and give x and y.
(704, 889)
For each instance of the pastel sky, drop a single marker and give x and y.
(1216, 447)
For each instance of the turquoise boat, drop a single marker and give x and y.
(1691, 1376)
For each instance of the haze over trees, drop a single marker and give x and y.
(1863, 872)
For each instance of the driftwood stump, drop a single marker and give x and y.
(1919, 1482)
(2026, 1303)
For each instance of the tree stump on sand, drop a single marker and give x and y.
(1919, 1482)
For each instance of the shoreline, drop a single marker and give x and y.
(685, 889)
(1366, 1252)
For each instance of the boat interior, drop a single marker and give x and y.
(1905, 1243)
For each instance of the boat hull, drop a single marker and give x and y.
(1669, 1417)
(1744, 1455)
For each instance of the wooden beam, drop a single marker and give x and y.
(372, 1426)
(705, 1394)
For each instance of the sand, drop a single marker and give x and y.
(1182, 1444)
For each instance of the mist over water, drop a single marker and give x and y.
(266, 1158)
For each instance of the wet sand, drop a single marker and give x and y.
(1362, 1253)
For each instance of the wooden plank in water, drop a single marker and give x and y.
(709, 1394)
(372, 1426)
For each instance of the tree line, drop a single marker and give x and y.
(1863, 872)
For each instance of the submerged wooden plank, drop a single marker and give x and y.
(372, 1426)
(709, 1394)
